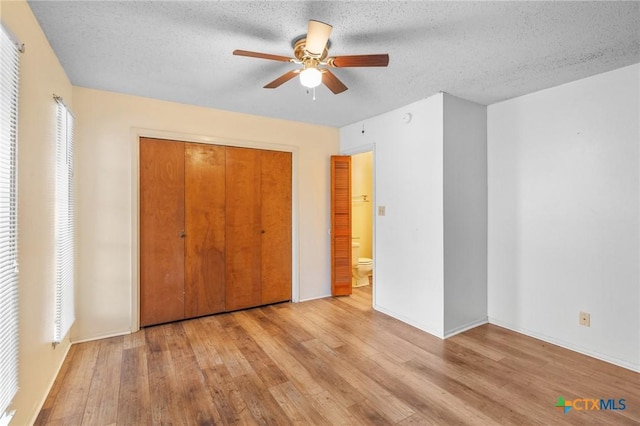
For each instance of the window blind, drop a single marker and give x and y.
(64, 223)
(9, 69)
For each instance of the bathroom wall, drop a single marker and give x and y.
(362, 184)
(564, 214)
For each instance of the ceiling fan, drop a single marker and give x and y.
(312, 52)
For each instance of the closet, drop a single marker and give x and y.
(215, 229)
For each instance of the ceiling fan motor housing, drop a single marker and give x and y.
(301, 53)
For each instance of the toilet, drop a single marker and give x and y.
(361, 267)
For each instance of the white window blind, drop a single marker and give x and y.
(64, 223)
(8, 221)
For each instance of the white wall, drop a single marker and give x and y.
(408, 182)
(106, 158)
(431, 247)
(465, 214)
(40, 77)
(564, 191)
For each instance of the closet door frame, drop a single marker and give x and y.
(136, 134)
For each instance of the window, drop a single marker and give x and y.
(64, 309)
(8, 222)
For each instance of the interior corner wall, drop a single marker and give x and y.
(105, 155)
(564, 212)
(41, 75)
(408, 263)
(465, 214)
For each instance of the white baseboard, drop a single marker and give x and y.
(102, 336)
(409, 321)
(465, 327)
(602, 357)
(314, 298)
(50, 386)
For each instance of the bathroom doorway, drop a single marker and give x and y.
(362, 226)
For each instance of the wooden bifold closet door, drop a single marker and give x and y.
(215, 229)
(275, 215)
(258, 242)
(204, 202)
(243, 264)
(161, 231)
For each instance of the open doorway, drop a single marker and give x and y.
(362, 215)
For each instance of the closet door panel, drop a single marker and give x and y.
(161, 227)
(276, 224)
(243, 285)
(205, 229)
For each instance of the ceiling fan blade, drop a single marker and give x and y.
(317, 37)
(332, 82)
(282, 79)
(261, 55)
(381, 60)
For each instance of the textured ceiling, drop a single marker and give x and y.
(481, 51)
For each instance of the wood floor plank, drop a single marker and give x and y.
(379, 399)
(261, 403)
(368, 414)
(293, 328)
(323, 319)
(71, 400)
(415, 419)
(194, 399)
(330, 407)
(325, 362)
(49, 403)
(358, 324)
(320, 370)
(328, 338)
(298, 408)
(204, 347)
(102, 401)
(227, 398)
(163, 387)
(265, 367)
(134, 340)
(323, 373)
(134, 404)
(288, 362)
(232, 357)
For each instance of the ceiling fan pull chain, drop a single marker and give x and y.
(314, 93)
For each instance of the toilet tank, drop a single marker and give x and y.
(355, 253)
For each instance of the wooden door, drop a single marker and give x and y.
(275, 241)
(340, 225)
(204, 282)
(243, 229)
(161, 231)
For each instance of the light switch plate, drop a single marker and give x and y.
(382, 210)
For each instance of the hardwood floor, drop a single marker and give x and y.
(329, 361)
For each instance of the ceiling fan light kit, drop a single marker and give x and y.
(312, 51)
(310, 77)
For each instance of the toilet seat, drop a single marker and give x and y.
(365, 261)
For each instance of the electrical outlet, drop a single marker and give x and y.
(382, 210)
(585, 319)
